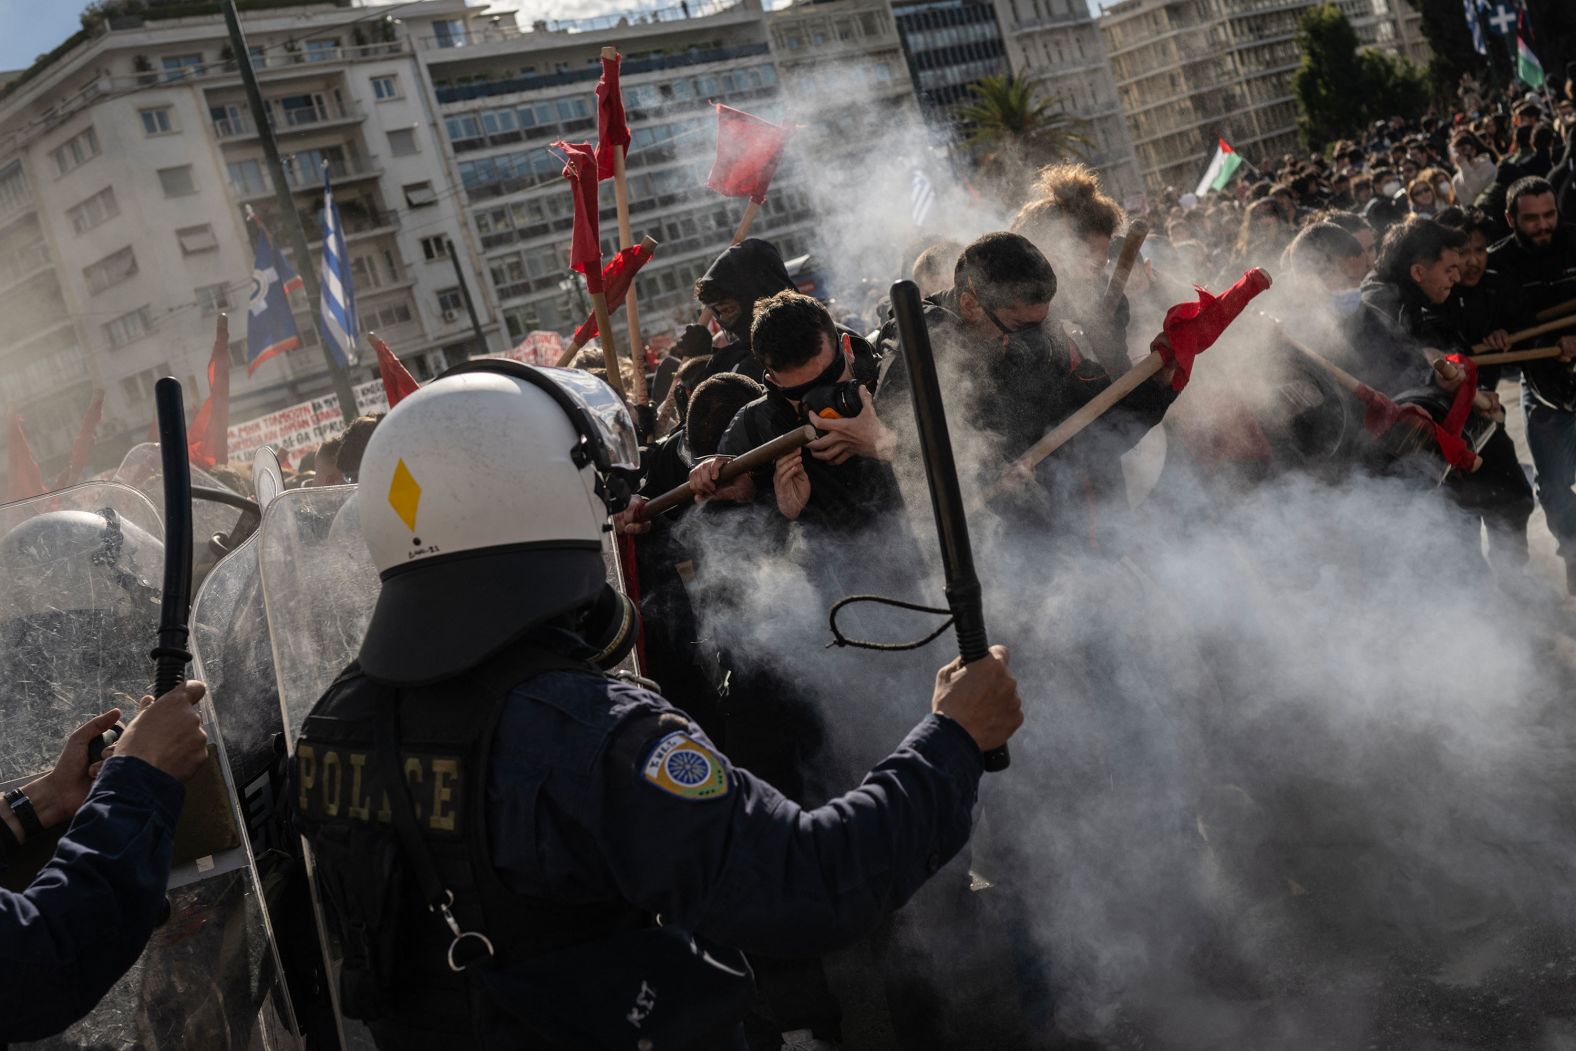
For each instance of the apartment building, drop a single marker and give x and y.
(1058, 44)
(505, 94)
(950, 44)
(1188, 71)
(842, 64)
(128, 165)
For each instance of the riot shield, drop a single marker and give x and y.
(319, 588)
(142, 470)
(78, 611)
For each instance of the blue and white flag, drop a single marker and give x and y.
(1474, 13)
(1503, 18)
(270, 327)
(339, 292)
(921, 197)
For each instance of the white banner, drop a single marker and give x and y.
(295, 431)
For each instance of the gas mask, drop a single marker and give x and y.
(611, 627)
(828, 396)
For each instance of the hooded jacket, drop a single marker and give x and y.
(749, 271)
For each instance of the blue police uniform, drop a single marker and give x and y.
(85, 919)
(600, 790)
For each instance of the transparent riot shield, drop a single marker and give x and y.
(211, 518)
(79, 609)
(319, 589)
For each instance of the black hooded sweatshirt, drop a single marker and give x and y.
(748, 271)
(1539, 278)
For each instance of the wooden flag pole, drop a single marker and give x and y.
(1536, 330)
(604, 335)
(1511, 357)
(649, 243)
(1137, 230)
(1557, 310)
(626, 239)
(745, 463)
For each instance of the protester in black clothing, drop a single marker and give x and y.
(742, 276)
(1402, 325)
(1538, 262)
(1480, 306)
(1012, 380)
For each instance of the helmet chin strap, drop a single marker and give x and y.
(611, 626)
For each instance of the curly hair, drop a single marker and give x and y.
(1070, 192)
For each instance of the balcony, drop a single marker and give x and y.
(653, 17)
(285, 121)
(630, 68)
(17, 206)
(347, 170)
(20, 267)
(473, 37)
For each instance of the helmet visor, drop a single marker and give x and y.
(604, 410)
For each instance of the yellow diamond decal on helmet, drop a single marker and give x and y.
(405, 495)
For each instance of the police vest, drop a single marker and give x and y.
(396, 952)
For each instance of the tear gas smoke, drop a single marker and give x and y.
(1294, 769)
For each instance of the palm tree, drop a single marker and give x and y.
(1009, 121)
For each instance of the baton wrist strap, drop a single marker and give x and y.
(26, 816)
(439, 899)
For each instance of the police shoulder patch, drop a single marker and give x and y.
(682, 766)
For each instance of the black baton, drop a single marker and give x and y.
(964, 596)
(170, 656)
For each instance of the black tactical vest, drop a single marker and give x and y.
(396, 972)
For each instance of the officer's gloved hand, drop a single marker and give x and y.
(695, 341)
(981, 697)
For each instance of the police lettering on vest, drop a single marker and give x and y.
(335, 781)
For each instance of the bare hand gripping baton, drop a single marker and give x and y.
(964, 596)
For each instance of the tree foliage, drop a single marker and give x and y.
(1006, 117)
(1445, 27)
(1339, 89)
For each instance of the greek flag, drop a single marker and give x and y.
(339, 293)
(1474, 13)
(921, 197)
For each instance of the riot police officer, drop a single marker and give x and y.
(515, 849)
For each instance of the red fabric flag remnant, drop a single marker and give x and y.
(1382, 414)
(1461, 407)
(23, 478)
(398, 383)
(748, 149)
(612, 132)
(616, 276)
(208, 441)
(82, 448)
(1192, 328)
(585, 250)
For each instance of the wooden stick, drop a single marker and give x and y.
(739, 234)
(1510, 357)
(1536, 330)
(1450, 372)
(650, 244)
(1064, 432)
(625, 240)
(1557, 310)
(746, 463)
(604, 335)
(1137, 230)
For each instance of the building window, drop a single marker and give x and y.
(402, 142)
(450, 302)
(111, 270)
(387, 317)
(212, 298)
(385, 88)
(434, 248)
(128, 328)
(99, 208)
(76, 151)
(195, 239)
(322, 50)
(246, 178)
(157, 121)
(418, 194)
(139, 386)
(449, 32)
(178, 66)
(177, 182)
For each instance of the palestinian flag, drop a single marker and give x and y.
(1528, 68)
(1221, 168)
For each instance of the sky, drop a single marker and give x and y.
(33, 27)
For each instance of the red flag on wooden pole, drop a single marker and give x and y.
(616, 278)
(23, 478)
(398, 383)
(209, 443)
(82, 448)
(585, 249)
(748, 149)
(612, 132)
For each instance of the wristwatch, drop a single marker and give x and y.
(26, 816)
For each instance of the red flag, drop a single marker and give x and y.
(585, 250)
(23, 479)
(1383, 414)
(82, 448)
(1192, 328)
(616, 276)
(397, 382)
(611, 130)
(208, 437)
(748, 149)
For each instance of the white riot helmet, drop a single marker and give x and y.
(483, 498)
